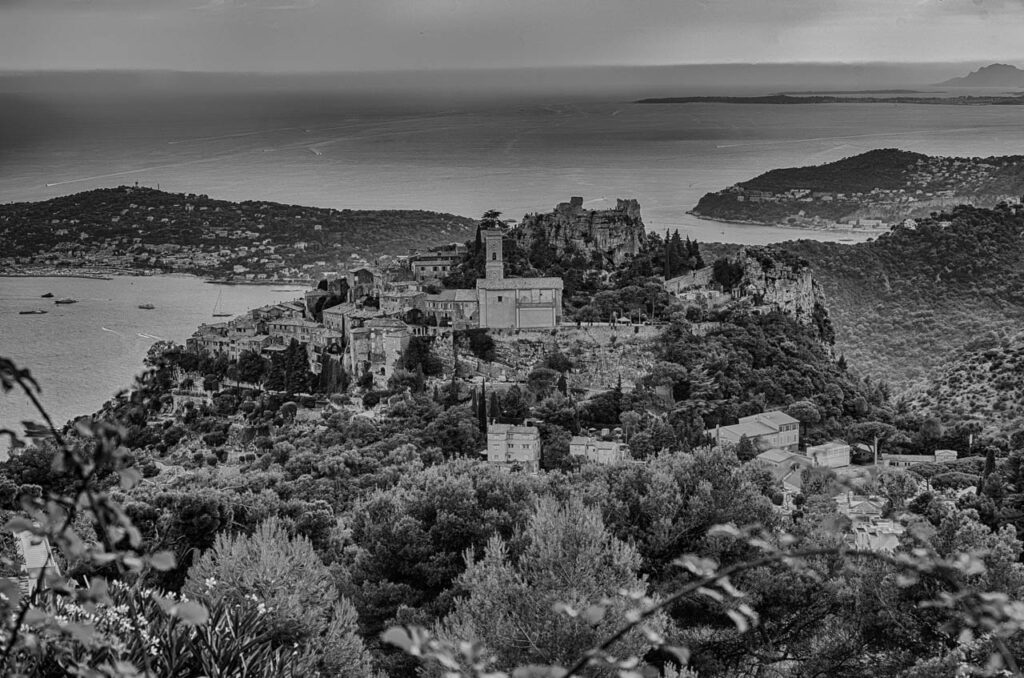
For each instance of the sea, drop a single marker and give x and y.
(363, 144)
(84, 353)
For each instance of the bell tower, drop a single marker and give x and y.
(495, 268)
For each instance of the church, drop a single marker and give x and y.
(515, 303)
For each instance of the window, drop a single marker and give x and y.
(499, 298)
(494, 256)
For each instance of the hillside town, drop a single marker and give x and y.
(400, 403)
(365, 323)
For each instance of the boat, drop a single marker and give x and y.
(37, 311)
(48, 295)
(66, 301)
(218, 312)
(148, 307)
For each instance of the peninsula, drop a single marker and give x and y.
(997, 100)
(870, 190)
(137, 230)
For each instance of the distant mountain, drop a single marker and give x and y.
(993, 75)
(904, 304)
(985, 381)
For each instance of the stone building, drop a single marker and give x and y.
(454, 306)
(514, 446)
(399, 301)
(766, 430)
(834, 454)
(516, 303)
(597, 450)
(376, 347)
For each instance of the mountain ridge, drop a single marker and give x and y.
(993, 75)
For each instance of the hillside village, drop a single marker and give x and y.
(391, 330)
(388, 430)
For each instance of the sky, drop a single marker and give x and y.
(371, 35)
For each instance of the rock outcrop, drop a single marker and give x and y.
(614, 233)
(774, 279)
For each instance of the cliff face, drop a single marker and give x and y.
(781, 281)
(615, 233)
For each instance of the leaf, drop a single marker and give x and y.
(190, 613)
(35, 617)
(681, 654)
(724, 531)
(19, 525)
(739, 620)
(83, 633)
(398, 637)
(130, 477)
(162, 561)
(594, 614)
(566, 609)
(906, 580)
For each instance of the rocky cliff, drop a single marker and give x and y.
(774, 279)
(614, 233)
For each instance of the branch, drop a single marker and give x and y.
(692, 587)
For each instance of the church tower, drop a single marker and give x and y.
(495, 269)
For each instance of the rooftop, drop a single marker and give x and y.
(776, 456)
(519, 284)
(776, 417)
(453, 295)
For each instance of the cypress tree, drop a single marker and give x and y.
(481, 409)
(495, 406)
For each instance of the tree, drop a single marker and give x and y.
(897, 486)
(806, 413)
(420, 354)
(929, 433)
(570, 559)
(514, 405)
(541, 382)
(284, 576)
(872, 433)
(251, 367)
(745, 449)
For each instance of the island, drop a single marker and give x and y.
(871, 190)
(995, 100)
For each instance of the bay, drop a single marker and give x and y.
(330, 147)
(82, 354)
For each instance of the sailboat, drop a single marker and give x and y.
(218, 312)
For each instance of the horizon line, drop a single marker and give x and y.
(491, 69)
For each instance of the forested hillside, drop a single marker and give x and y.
(984, 382)
(902, 304)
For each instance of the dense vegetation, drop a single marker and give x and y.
(290, 534)
(332, 530)
(984, 383)
(904, 302)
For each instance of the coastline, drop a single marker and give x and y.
(835, 229)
